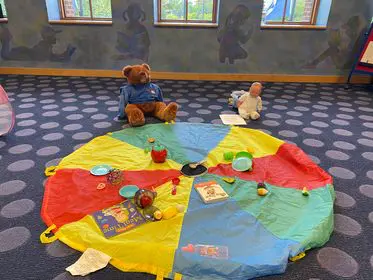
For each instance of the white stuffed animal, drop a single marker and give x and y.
(250, 104)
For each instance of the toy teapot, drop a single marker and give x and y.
(159, 153)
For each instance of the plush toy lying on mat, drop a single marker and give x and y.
(250, 104)
(141, 97)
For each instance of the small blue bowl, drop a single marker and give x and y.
(128, 191)
(100, 170)
(242, 164)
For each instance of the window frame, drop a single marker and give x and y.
(295, 24)
(186, 22)
(64, 18)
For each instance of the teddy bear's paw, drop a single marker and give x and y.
(137, 123)
(170, 112)
(136, 118)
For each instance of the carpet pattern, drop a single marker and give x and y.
(57, 115)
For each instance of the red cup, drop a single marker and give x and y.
(173, 192)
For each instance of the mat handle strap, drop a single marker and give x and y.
(160, 275)
(43, 237)
(178, 276)
(50, 171)
(298, 257)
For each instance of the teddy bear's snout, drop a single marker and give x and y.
(143, 76)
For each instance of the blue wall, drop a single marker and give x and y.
(235, 47)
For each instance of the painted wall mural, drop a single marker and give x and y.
(232, 36)
(238, 45)
(343, 42)
(42, 51)
(134, 41)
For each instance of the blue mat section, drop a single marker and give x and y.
(197, 140)
(253, 250)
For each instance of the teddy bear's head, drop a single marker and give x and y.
(137, 74)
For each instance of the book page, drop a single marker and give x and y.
(91, 261)
(232, 119)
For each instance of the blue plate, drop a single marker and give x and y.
(128, 191)
(242, 164)
(100, 170)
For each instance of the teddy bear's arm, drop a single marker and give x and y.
(242, 99)
(123, 101)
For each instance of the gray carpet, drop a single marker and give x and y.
(56, 115)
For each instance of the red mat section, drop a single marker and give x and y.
(289, 168)
(72, 194)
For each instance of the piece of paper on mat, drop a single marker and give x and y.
(232, 119)
(91, 261)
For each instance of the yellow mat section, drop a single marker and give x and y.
(121, 155)
(242, 139)
(148, 248)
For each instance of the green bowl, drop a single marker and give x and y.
(244, 154)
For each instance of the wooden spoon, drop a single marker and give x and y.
(195, 164)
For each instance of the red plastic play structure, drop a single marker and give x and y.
(7, 116)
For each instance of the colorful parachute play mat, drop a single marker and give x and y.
(260, 233)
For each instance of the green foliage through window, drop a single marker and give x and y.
(288, 11)
(3, 8)
(187, 10)
(101, 9)
(297, 12)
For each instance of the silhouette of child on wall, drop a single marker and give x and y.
(231, 36)
(343, 44)
(134, 42)
(42, 51)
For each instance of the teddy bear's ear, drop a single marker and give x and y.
(126, 70)
(146, 66)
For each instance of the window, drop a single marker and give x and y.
(186, 12)
(79, 11)
(86, 9)
(290, 13)
(3, 14)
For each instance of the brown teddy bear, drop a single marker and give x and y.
(141, 97)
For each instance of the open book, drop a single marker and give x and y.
(232, 119)
(211, 192)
